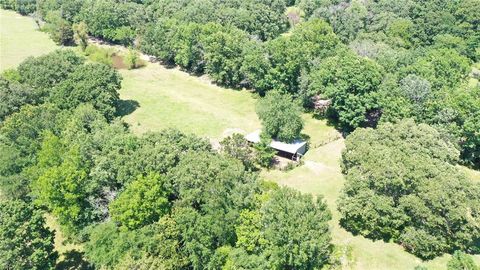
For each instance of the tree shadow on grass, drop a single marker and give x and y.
(331, 122)
(126, 107)
(73, 260)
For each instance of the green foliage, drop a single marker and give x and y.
(461, 261)
(441, 67)
(264, 154)
(63, 187)
(211, 190)
(296, 228)
(132, 59)
(80, 35)
(289, 55)
(23, 130)
(96, 84)
(20, 139)
(402, 186)
(280, 116)
(142, 202)
(14, 95)
(99, 54)
(23, 7)
(236, 146)
(25, 241)
(11, 75)
(223, 53)
(60, 30)
(46, 71)
(111, 20)
(457, 114)
(249, 232)
(351, 83)
(155, 246)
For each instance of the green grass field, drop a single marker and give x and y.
(172, 98)
(159, 98)
(19, 39)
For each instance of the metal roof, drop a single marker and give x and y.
(292, 147)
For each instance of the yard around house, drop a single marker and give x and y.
(156, 98)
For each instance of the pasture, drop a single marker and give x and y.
(19, 39)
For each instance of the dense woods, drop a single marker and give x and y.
(399, 78)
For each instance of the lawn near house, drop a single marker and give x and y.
(156, 98)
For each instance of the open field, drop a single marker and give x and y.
(172, 98)
(19, 39)
(158, 98)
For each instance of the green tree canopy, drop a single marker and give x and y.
(25, 241)
(351, 83)
(402, 185)
(280, 116)
(46, 71)
(142, 202)
(96, 84)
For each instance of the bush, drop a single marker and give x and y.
(132, 59)
(99, 55)
(461, 261)
(81, 35)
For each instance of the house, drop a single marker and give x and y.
(294, 150)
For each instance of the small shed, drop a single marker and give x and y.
(293, 150)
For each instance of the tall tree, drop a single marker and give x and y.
(25, 241)
(352, 84)
(280, 116)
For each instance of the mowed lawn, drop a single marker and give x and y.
(169, 98)
(19, 39)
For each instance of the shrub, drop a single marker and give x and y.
(132, 59)
(461, 261)
(99, 55)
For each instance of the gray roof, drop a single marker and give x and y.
(292, 147)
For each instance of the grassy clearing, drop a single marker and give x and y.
(156, 98)
(19, 39)
(170, 98)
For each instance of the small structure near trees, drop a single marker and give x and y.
(294, 150)
(321, 105)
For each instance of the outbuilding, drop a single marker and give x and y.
(294, 150)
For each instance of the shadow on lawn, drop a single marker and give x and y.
(126, 107)
(73, 261)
